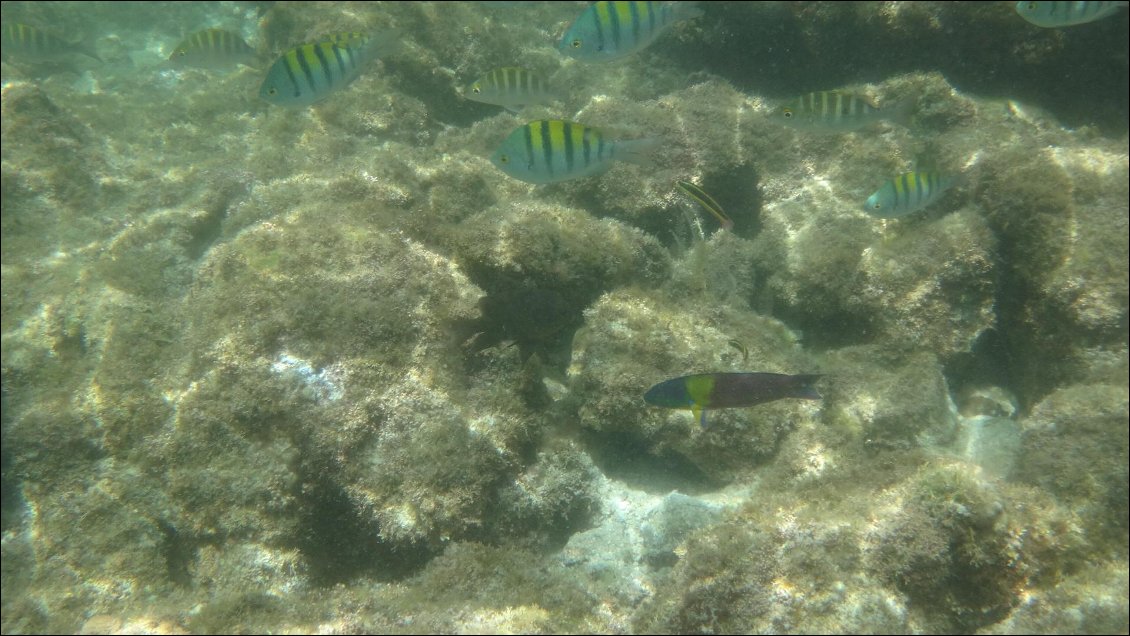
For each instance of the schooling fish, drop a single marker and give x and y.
(907, 193)
(35, 45)
(837, 111)
(212, 49)
(549, 151)
(611, 30)
(309, 73)
(1061, 14)
(510, 87)
(704, 391)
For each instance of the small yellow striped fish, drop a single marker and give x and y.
(309, 73)
(510, 87)
(1061, 14)
(837, 111)
(907, 193)
(550, 151)
(707, 202)
(212, 48)
(28, 43)
(611, 30)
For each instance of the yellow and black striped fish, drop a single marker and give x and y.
(549, 151)
(309, 73)
(28, 43)
(906, 193)
(510, 87)
(836, 111)
(611, 30)
(212, 48)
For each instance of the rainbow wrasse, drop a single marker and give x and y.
(704, 391)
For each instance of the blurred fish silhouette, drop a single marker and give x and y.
(1061, 14)
(27, 43)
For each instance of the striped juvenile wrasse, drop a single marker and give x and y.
(709, 204)
(611, 30)
(510, 87)
(836, 111)
(907, 193)
(550, 151)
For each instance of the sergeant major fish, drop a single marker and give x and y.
(309, 73)
(212, 49)
(510, 87)
(1061, 14)
(35, 45)
(610, 30)
(837, 111)
(704, 391)
(550, 151)
(907, 193)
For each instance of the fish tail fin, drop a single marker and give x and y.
(638, 151)
(804, 387)
(385, 43)
(699, 414)
(83, 47)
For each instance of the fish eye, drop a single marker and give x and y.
(877, 206)
(503, 159)
(577, 43)
(788, 113)
(475, 89)
(272, 91)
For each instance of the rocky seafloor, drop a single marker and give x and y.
(328, 369)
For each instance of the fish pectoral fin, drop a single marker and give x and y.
(699, 414)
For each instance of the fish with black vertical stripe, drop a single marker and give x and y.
(309, 73)
(26, 43)
(551, 151)
(1061, 14)
(510, 87)
(906, 193)
(212, 49)
(838, 111)
(611, 30)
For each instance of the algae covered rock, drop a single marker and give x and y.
(944, 541)
(1075, 445)
(889, 399)
(540, 264)
(1063, 237)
